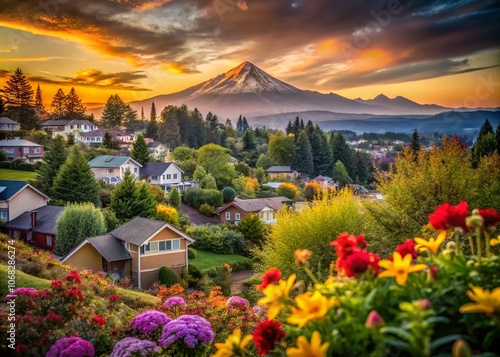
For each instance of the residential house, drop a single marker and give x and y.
(96, 137)
(137, 250)
(158, 150)
(266, 208)
(323, 181)
(17, 197)
(65, 126)
(111, 169)
(277, 171)
(9, 124)
(36, 227)
(21, 148)
(163, 174)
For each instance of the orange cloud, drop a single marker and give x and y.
(372, 60)
(327, 47)
(151, 5)
(177, 68)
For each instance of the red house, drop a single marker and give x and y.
(20, 148)
(36, 227)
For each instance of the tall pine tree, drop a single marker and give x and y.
(58, 103)
(39, 107)
(73, 107)
(303, 154)
(53, 158)
(140, 152)
(18, 97)
(485, 143)
(415, 144)
(75, 181)
(169, 131)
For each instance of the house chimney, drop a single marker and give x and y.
(34, 215)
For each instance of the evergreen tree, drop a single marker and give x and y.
(485, 143)
(18, 91)
(142, 115)
(174, 198)
(289, 128)
(340, 174)
(152, 113)
(108, 141)
(239, 124)
(58, 103)
(2, 105)
(252, 228)
(115, 113)
(54, 156)
(497, 135)
(140, 152)
(70, 139)
(73, 107)
(197, 131)
(245, 125)
(39, 107)
(341, 151)
(129, 200)
(130, 117)
(212, 125)
(77, 222)
(415, 143)
(75, 181)
(169, 131)
(303, 155)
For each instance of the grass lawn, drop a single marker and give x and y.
(6, 174)
(206, 259)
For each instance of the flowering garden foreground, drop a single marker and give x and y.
(427, 299)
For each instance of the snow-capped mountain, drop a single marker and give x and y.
(250, 91)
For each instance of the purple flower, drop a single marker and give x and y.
(175, 301)
(71, 347)
(31, 292)
(238, 302)
(259, 310)
(192, 329)
(149, 321)
(130, 346)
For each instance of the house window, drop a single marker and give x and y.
(169, 176)
(85, 126)
(9, 150)
(237, 217)
(154, 178)
(135, 169)
(110, 171)
(37, 150)
(26, 150)
(228, 216)
(161, 246)
(48, 239)
(175, 176)
(4, 215)
(71, 126)
(163, 177)
(127, 245)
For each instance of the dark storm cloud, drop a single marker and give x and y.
(187, 33)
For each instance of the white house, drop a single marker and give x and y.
(111, 169)
(65, 126)
(164, 174)
(96, 137)
(158, 150)
(9, 124)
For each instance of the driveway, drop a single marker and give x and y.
(196, 217)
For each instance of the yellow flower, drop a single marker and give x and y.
(306, 349)
(432, 244)
(485, 301)
(399, 268)
(495, 241)
(310, 306)
(276, 296)
(232, 345)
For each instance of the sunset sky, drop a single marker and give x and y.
(442, 52)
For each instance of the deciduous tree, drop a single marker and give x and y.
(282, 149)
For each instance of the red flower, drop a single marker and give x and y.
(21, 349)
(408, 247)
(75, 292)
(98, 320)
(346, 244)
(490, 217)
(113, 298)
(447, 216)
(271, 276)
(53, 317)
(56, 284)
(268, 332)
(359, 262)
(74, 276)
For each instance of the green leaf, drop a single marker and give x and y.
(398, 331)
(444, 340)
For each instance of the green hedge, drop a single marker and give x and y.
(217, 240)
(195, 197)
(167, 277)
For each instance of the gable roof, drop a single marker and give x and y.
(5, 120)
(109, 247)
(17, 142)
(283, 169)
(65, 122)
(102, 132)
(140, 230)
(110, 161)
(256, 204)
(45, 222)
(154, 144)
(10, 188)
(156, 168)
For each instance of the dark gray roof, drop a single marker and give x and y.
(256, 204)
(18, 142)
(67, 122)
(46, 220)
(154, 144)
(4, 120)
(138, 230)
(154, 168)
(109, 247)
(283, 169)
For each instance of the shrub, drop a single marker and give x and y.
(4, 164)
(217, 239)
(13, 164)
(195, 197)
(206, 209)
(252, 228)
(191, 253)
(167, 214)
(228, 194)
(288, 190)
(167, 277)
(25, 166)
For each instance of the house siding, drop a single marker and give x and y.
(86, 258)
(233, 210)
(24, 201)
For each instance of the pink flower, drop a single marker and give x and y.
(374, 320)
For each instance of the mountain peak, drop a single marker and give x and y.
(244, 78)
(381, 97)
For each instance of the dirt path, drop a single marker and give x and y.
(238, 278)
